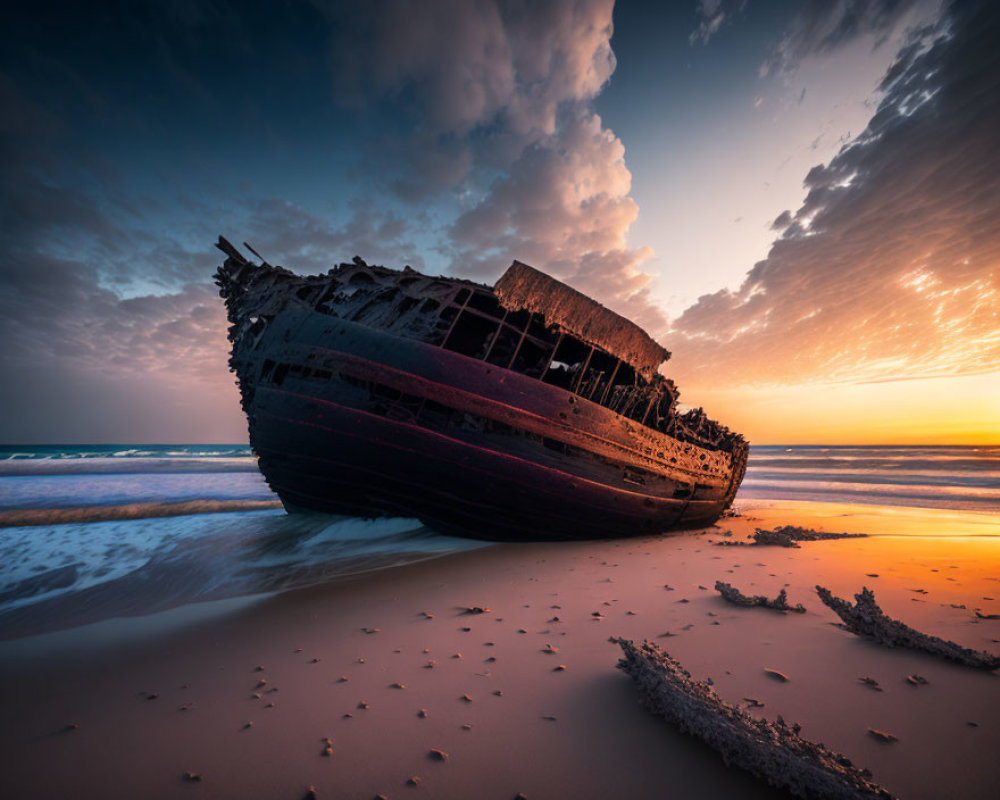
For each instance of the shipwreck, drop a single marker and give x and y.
(522, 411)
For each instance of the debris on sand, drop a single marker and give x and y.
(865, 618)
(882, 736)
(787, 536)
(916, 680)
(772, 751)
(870, 682)
(736, 597)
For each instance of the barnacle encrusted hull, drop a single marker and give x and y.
(375, 392)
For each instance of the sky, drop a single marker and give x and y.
(799, 199)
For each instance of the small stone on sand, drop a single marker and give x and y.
(412, 781)
(192, 776)
(437, 755)
(422, 713)
(882, 736)
(397, 685)
(778, 676)
(560, 668)
(465, 698)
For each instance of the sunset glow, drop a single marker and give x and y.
(806, 218)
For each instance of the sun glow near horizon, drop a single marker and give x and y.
(926, 411)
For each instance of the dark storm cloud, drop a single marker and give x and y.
(822, 26)
(890, 267)
(133, 133)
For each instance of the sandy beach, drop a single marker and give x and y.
(350, 687)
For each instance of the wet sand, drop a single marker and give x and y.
(245, 694)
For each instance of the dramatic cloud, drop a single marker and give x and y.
(564, 206)
(457, 134)
(822, 26)
(501, 112)
(891, 267)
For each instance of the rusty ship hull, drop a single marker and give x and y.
(353, 418)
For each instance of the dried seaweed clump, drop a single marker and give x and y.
(736, 597)
(789, 536)
(771, 751)
(865, 618)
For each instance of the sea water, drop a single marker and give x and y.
(59, 574)
(962, 478)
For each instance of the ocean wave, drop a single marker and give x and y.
(109, 465)
(114, 489)
(873, 493)
(60, 576)
(78, 452)
(903, 477)
(60, 516)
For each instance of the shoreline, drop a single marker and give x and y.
(600, 744)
